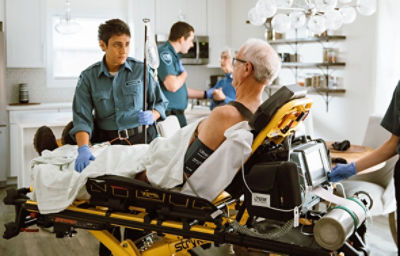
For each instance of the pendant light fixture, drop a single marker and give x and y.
(67, 26)
(317, 15)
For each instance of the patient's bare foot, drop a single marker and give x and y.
(44, 139)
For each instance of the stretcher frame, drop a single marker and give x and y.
(178, 237)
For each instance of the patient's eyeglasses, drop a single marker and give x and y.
(235, 60)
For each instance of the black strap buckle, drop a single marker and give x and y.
(123, 134)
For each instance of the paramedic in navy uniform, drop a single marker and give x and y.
(224, 91)
(172, 74)
(391, 122)
(108, 98)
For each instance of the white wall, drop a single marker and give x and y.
(388, 54)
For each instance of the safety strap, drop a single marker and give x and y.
(242, 109)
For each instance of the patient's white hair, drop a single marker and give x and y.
(263, 57)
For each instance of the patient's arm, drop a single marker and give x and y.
(211, 130)
(383, 153)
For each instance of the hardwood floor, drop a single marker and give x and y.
(42, 242)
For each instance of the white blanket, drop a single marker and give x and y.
(56, 184)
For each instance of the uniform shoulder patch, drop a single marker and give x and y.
(166, 58)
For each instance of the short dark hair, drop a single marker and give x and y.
(113, 27)
(180, 29)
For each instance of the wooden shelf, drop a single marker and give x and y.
(325, 90)
(309, 89)
(312, 65)
(307, 40)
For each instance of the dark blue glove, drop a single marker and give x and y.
(146, 117)
(83, 159)
(209, 93)
(342, 171)
(181, 68)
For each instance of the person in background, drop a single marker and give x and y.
(171, 73)
(391, 122)
(108, 98)
(223, 90)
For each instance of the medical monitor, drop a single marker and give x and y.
(313, 162)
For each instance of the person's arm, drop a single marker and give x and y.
(383, 153)
(173, 83)
(212, 129)
(82, 138)
(197, 94)
(82, 109)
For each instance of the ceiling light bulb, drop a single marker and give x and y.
(298, 19)
(325, 5)
(333, 19)
(266, 8)
(255, 18)
(349, 14)
(281, 23)
(366, 7)
(316, 24)
(284, 3)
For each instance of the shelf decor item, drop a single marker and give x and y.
(317, 15)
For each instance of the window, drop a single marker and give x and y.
(69, 55)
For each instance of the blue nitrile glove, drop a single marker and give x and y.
(342, 171)
(146, 117)
(84, 157)
(209, 93)
(181, 68)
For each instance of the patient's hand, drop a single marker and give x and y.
(218, 94)
(84, 158)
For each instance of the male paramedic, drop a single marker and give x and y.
(109, 96)
(171, 73)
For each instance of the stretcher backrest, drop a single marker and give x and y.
(278, 116)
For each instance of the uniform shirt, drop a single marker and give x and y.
(391, 120)
(113, 102)
(227, 89)
(169, 65)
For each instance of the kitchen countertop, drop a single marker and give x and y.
(41, 106)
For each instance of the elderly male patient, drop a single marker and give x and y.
(203, 156)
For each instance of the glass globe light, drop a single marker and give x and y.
(325, 5)
(349, 14)
(266, 8)
(316, 24)
(333, 19)
(284, 3)
(366, 7)
(281, 23)
(298, 19)
(255, 18)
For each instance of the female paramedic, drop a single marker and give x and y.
(391, 122)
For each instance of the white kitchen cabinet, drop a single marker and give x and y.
(24, 33)
(24, 121)
(217, 27)
(193, 12)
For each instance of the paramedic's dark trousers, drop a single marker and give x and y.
(397, 189)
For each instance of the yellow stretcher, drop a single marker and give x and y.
(177, 223)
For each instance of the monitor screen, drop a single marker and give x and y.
(316, 167)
